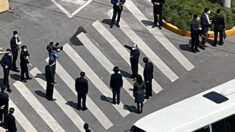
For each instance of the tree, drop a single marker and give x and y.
(227, 3)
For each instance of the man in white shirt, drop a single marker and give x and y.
(205, 23)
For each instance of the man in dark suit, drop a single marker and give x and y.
(50, 80)
(24, 62)
(219, 25)
(15, 42)
(157, 10)
(134, 59)
(81, 86)
(10, 123)
(117, 9)
(205, 23)
(195, 33)
(6, 63)
(116, 83)
(4, 103)
(148, 76)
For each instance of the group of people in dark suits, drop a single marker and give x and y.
(202, 28)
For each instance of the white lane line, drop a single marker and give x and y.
(21, 119)
(147, 51)
(61, 8)
(76, 119)
(80, 8)
(160, 37)
(121, 50)
(38, 107)
(100, 85)
(77, 2)
(103, 60)
(94, 109)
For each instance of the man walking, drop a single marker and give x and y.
(195, 33)
(157, 10)
(219, 25)
(116, 83)
(10, 123)
(205, 23)
(81, 86)
(15, 42)
(148, 76)
(24, 62)
(117, 9)
(50, 80)
(6, 63)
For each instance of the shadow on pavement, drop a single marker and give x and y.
(106, 99)
(106, 21)
(15, 77)
(131, 108)
(185, 47)
(125, 74)
(147, 23)
(41, 76)
(74, 40)
(72, 104)
(41, 94)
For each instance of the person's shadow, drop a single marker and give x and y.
(147, 23)
(125, 74)
(41, 76)
(131, 108)
(41, 94)
(185, 47)
(106, 99)
(15, 77)
(107, 21)
(72, 104)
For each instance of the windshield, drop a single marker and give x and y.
(136, 129)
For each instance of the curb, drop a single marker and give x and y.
(176, 30)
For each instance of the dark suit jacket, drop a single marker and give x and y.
(4, 99)
(81, 85)
(194, 27)
(134, 53)
(6, 60)
(14, 46)
(49, 74)
(148, 71)
(204, 23)
(218, 22)
(10, 123)
(116, 1)
(116, 81)
(23, 57)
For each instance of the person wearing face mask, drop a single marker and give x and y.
(134, 59)
(24, 62)
(117, 10)
(15, 42)
(205, 23)
(49, 72)
(195, 33)
(219, 25)
(6, 63)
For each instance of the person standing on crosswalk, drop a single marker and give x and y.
(4, 103)
(81, 86)
(50, 80)
(15, 42)
(148, 76)
(134, 59)
(138, 93)
(6, 63)
(24, 62)
(116, 83)
(9, 122)
(117, 9)
(157, 10)
(205, 23)
(86, 127)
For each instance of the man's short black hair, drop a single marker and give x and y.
(86, 126)
(51, 62)
(145, 59)
(12, 110)
(82, 74)
(8, 50)
(15, 32)
(116, 69)
(218, 11)
(195, 16)
(206, 10)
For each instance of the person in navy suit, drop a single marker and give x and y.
(195, 33)
(10, 123)
(81, 86)
(205, 23)
(15, 42)
(157, 10)
(50, 80)
(4, 103)
(219, 25)
(148, 76)
(117, 9)
(116, 83)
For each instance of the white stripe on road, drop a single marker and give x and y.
(100, 85)
(94, 109)
(21, 119)
(104, 61)
(160, 37)
(80, 8)
(38, 107)
(121, 50)
(77, 120)
(147, 51)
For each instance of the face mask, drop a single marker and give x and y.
(133, 48)
(198, 18)
(208, 12)
(9, 54)
(24, 49)
(16, 35)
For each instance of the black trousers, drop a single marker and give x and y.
(195, 41)
(204, 38)
(24, 70)
(116, 95)
(221, 36)
(49, 90)
(15, 55)
(6, 72)
(134, 67)
(4, 112)
(148, 88)
(116, 10)
(140, 107)
(156, 12)
(81, 97)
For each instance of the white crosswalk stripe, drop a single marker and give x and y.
(101, 86)
(94, 109)
(38, 107)
(160, 37)
(77, 120)
(104, 61)
(21, 119)
(146, 50)
(121, 50)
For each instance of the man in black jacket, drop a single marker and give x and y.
(148, 76)
(15, 42)
(81, 86)
(4, 103)
(10, 123)
(6, 63)
(157, 10)
(195, 33)
(205, 23)
(219, 25)
(116, 83)
(117, 9)
(50, 80)
(24, 62)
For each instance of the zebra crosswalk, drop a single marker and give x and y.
(75, 60)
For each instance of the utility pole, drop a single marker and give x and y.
(227, 3)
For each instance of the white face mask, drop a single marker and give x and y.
(198, 18)
(16, 35)
(9, 54)
(208, 12)
(24, 49)
(133, 48)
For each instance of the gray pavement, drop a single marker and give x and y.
(40, 22)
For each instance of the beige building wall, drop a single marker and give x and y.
(4, 5)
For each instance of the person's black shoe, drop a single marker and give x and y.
(29, 78)
(78, 108)
(147, 97)
(153, 26)
(23, 80)
(214, 45)
(221, 43)
(83, 109)
(118, 103)
(197, 50)
(111, 25)
(15, 70)
(202, 47)
(114, 102)
(52, 99)
(117, 24)
(9, 90)
(160, 27)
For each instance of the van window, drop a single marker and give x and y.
(136, 129)
(204, 129)
(224, 125)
